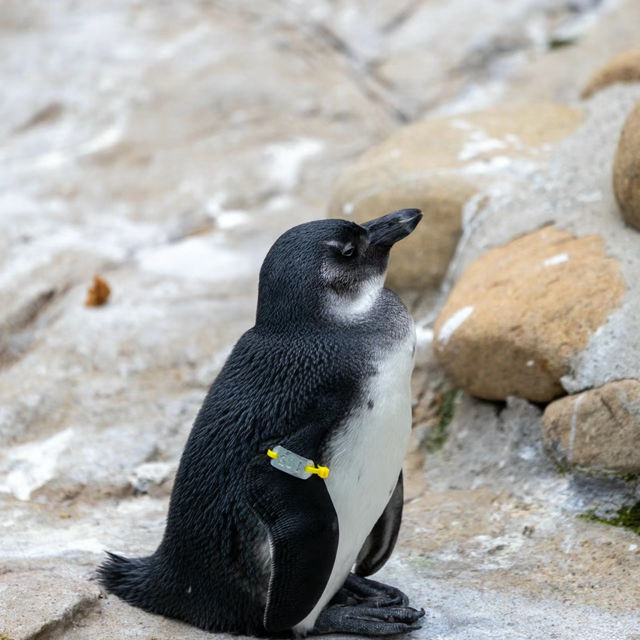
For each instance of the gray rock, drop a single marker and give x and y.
(41, 604)
(600, 39)
(114, 619)
(150, 475)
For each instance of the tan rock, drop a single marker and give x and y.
(520, 312)
(437, 165)
(597, 430)
(624, 68)
(98, 292)
(626, 169)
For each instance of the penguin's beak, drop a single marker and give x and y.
(387, 230)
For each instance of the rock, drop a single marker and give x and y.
(168, 164)
(597, 430)
(498, 515)
(116, 620)
(98, 292)
(572, 191)
(521, 312)
(37, 604)
(624, 68)
(562, 74)
(626, 169)
(150, 475)
(437, 165)
(470, 54)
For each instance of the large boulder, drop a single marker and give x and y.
(626, 169)
(438, 165)
(598, 430)
(624, 68)
(522, 311)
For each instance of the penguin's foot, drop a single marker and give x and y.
(362, 591)
(367, 621)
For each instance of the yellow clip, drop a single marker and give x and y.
(322, 472)
(272, 454)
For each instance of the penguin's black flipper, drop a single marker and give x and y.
(380, 542)
(303, 531)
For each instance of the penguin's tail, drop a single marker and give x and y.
(127, 578)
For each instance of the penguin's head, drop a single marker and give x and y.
(329, 269)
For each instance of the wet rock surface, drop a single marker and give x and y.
(164, 151)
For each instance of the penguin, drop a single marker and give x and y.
(289, 490)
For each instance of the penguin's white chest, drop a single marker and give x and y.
(365, 459)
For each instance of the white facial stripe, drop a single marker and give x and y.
(344, 307)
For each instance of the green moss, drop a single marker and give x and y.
(4, 636)
(420, 561)
(626, 517)
(559, 42)
(438, 435)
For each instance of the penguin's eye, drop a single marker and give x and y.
(348, 250)
(344, 249)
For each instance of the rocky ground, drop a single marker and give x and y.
(164, 147)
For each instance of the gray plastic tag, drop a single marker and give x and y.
(291, 463)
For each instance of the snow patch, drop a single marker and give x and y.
(574, 423)
(32, 465)
(213, 206)
(591, 196)
(107, 139)
(520, 167)
(453, 323)
(348, 208)
(231, 219)
(183, 42)
(286, 160)
(474, 97)
(200, 258)
(424, 336)
(65, 541)
(557, 259)
(112, 238)
(150, 474)
(481, 144)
